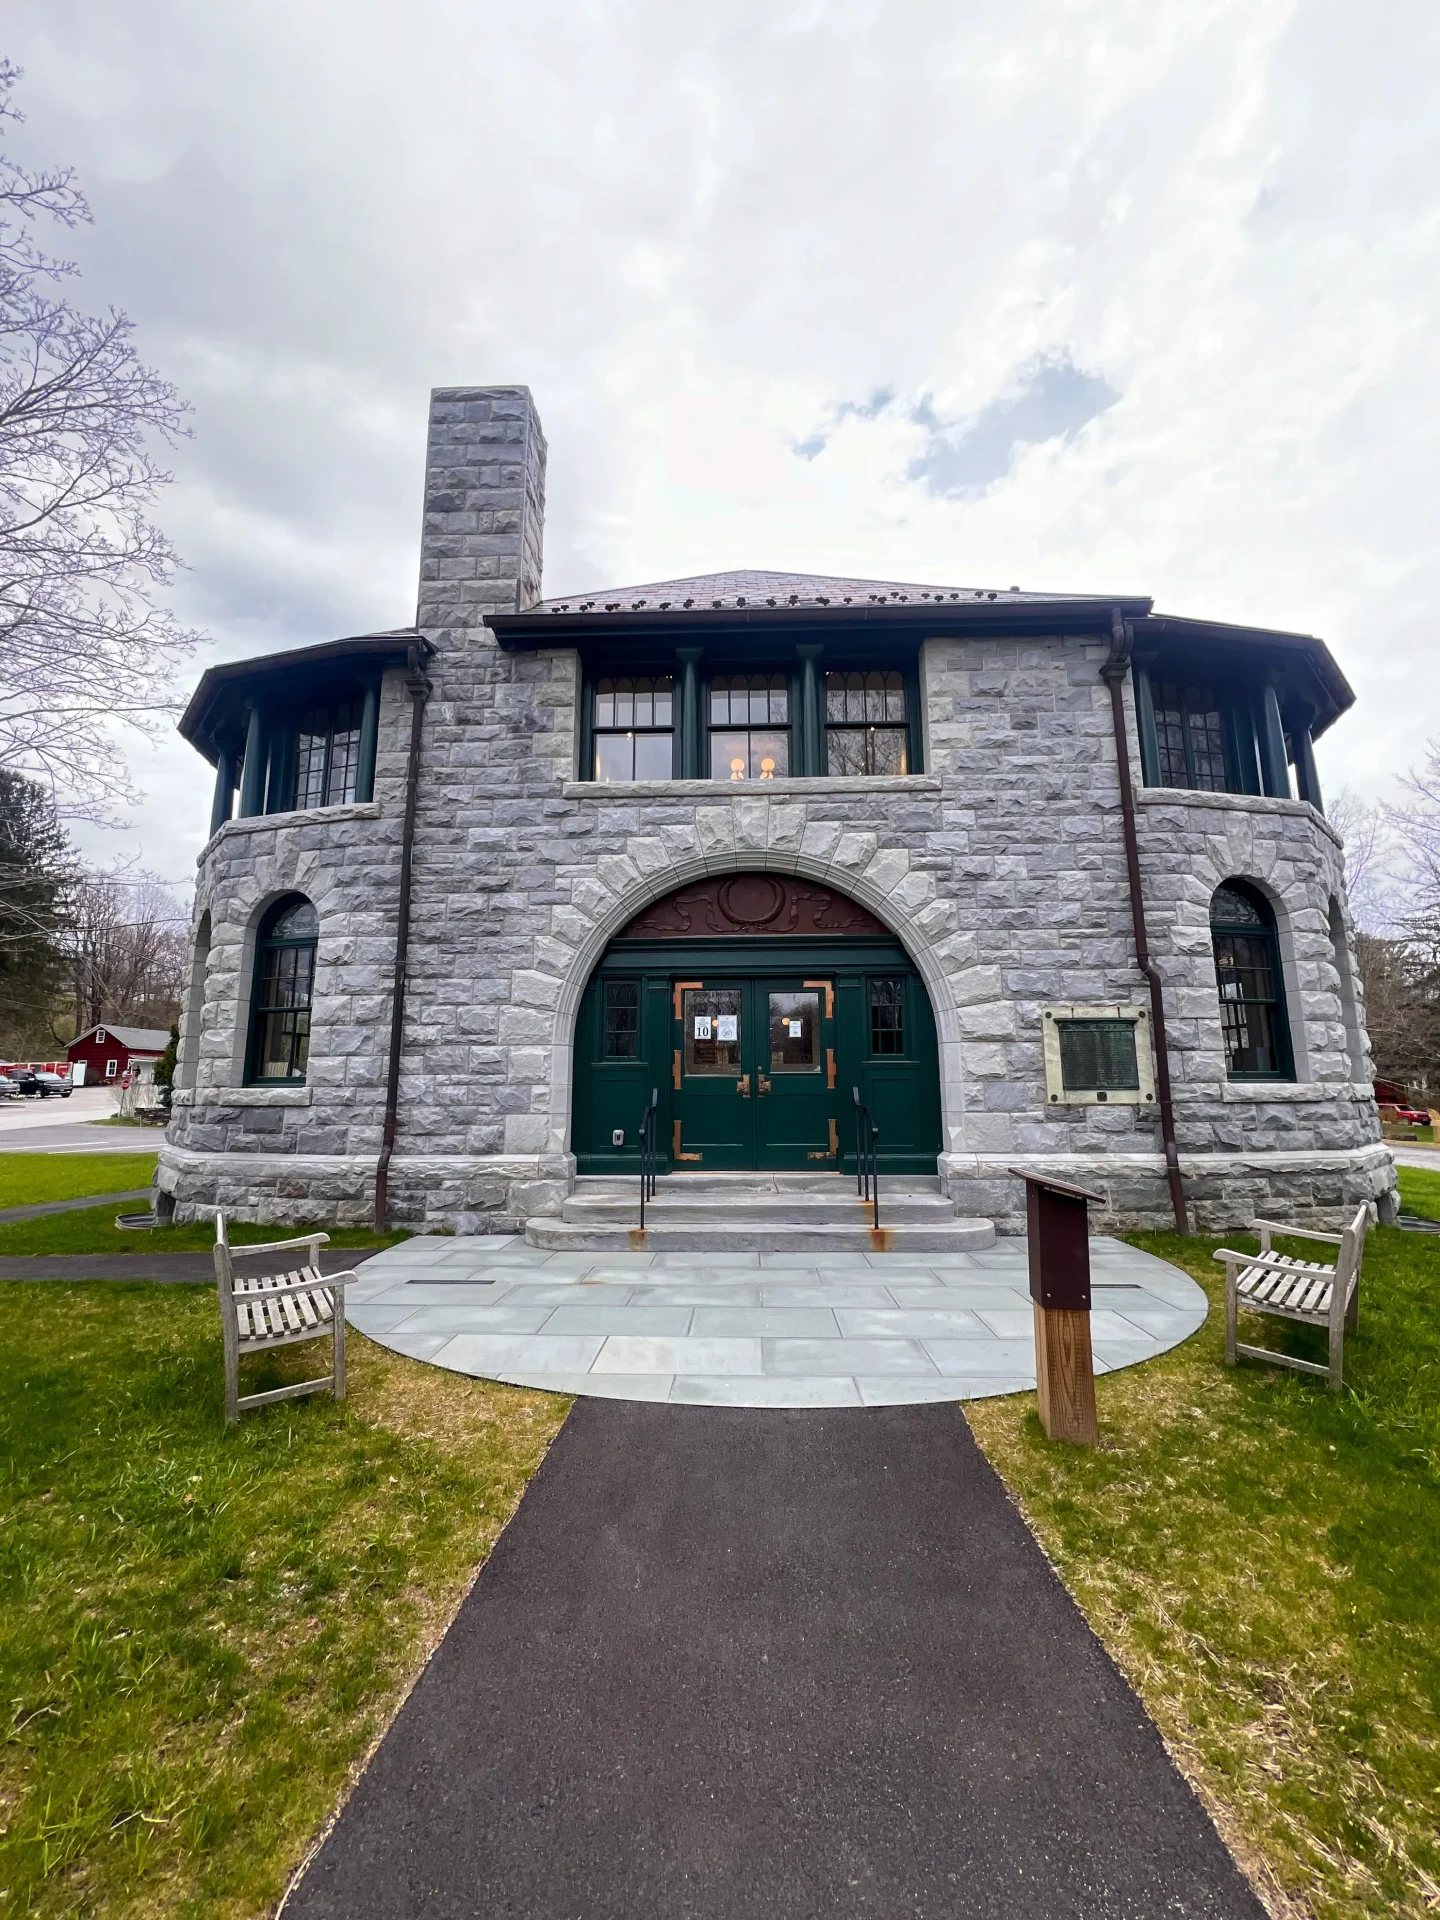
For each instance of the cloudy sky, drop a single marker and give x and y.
(1114, 295)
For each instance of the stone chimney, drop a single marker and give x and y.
(484, 507)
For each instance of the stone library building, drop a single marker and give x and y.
(744, 874)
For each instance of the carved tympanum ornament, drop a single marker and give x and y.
(751, 903)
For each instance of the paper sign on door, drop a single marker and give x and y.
(702, 1026)
(727, 1026)
(797, 1028)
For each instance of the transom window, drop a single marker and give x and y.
(749, 727)
(283, 992)
(887, 1017)
(865, 724)
(621, 1037)
(1190, 737)
(327, 756)
(1250, 984)
(634, 728)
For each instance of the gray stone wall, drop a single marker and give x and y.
(1001, 868)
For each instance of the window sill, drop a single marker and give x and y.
(743, 789)
(250, 1096)
(307, 817)
(1233, 803)
(1287, 1090)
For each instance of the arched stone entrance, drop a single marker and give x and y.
(754, 1003)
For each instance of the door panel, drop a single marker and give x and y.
(714, 1108)
(794, 1102)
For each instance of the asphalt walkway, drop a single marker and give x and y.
(733, 1664)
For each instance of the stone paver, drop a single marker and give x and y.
(752, 1329)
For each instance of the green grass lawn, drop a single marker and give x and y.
(93, 1230)
(1260, 1557)
(202, 1630)
(30, 1179)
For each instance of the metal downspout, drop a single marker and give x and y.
(417, 685)
(1113, 673)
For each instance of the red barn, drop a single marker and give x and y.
(105, 1052)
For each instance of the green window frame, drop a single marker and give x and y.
(1250, 982)
(748, 724)
(867, 723)
(885, 1008)
(1201, 735)
(282, 994)
(632, 728)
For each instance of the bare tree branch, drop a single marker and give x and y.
(83, 643)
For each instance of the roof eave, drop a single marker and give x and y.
(534, 630)
(217, 681)
(1331, 683)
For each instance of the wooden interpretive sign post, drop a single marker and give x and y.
(1059, 1230)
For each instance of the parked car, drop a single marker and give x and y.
(23, 1080)
(1409, 1116)
(49, 1083)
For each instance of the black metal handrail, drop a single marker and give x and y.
(867, 1163)
(648, 1125)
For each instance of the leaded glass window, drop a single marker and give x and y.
(327, 756)
(865, 724)
(633, 724)
(887, 1017)
(749, 727)
(1250, 984)
(1190, 737)
(621, 1037)
(284, 989)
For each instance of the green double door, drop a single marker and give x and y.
(753, 1073)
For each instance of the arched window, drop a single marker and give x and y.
(284, 987)
(1251, 984)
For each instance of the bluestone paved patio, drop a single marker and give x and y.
(752, 1329)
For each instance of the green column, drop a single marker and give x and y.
(809, 731)
(369, 735)
(224, 789)
(1307, 776)
(691, 728)
(1272, 745)
(252, 780)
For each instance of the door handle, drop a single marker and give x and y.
(742, 1086)
(763, 1084)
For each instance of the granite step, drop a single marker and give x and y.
(741, 1232)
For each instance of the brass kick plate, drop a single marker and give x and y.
(675, 1149)
(680, 986)
(834, 1152)
(829, 986)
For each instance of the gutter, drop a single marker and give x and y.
(1113, 673)
(417, 685)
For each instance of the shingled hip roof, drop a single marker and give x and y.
(752, 588)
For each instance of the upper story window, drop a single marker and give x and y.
(327, 756)
(283, 992)
(634, 728)
(1190, 737)
(749, 727)
(866, 724)
(1250, 983)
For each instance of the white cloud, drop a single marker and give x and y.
(696, 236)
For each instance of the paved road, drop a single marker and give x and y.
(737, 1665)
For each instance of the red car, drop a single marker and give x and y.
(1412, 1116)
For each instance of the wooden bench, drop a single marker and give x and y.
(1292, 1289)
(278, 1310)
